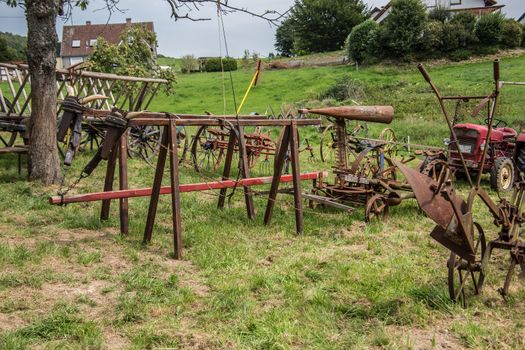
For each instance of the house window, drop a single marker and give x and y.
(76, 43)
(75, 60)
(455, 2)
(92, 42)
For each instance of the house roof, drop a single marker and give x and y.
(521, 17)
(378, 13)
(84, 33)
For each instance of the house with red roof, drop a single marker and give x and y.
(78, 41)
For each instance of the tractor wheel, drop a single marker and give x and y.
(502, 174)
(520, 161)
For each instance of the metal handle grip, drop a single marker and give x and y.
(424, 72)
(496, 70)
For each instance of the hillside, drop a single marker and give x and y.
(417, 112)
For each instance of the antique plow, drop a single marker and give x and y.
(456, 229)
(365, 173)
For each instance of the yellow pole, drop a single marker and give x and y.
(252, 84)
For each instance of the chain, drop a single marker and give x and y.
(63, 192)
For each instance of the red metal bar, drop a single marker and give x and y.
(144, 192)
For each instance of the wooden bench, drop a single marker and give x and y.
(19, 150)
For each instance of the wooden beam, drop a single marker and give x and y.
(184, 188)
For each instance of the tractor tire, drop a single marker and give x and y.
(520, 160)
(502, 175)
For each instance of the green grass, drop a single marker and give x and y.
(68, 280)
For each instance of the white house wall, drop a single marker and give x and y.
(456, 4)
(452, 4)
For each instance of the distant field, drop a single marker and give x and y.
(69, 281)
(417, 112)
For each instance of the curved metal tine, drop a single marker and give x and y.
(508, 279)
(461, 289)
(474, 281)
(442, 179)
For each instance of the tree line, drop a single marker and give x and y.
(12, 47)
(409, 32)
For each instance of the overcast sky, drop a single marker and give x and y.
(198, 38)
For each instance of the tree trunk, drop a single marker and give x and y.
(44, 163)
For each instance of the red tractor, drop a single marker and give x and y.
(505, 148)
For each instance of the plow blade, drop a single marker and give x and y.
(440, 210)
(433, 204)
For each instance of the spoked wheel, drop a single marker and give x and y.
(207, 149)
(376, 208)
(93, 137)
(327, 144)
(144, 142)
(437, 169)
(464, 278)
(389, 136)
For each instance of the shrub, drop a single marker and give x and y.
(489, 27)
(511, 34)
(439, 13)
(460, 55)
(359, 40)
(188, 64)
(523, 37)
(467, 20)
(432, 39)
(214, 64)
(454, 37)
(343, 89)
(403, 27)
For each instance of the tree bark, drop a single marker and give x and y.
(44, 163)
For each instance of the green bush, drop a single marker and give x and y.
(432, 39)
(454, 37)
(511, 34)
(489, 28)
(439, 13)
(467, 20)
(523, 37)
(460, 55)
(344, 88)
(189, 64)
(359, 40)
(403, 28)
(214, 64)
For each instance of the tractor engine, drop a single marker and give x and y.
(500, 161)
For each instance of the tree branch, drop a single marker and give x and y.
(177, 6)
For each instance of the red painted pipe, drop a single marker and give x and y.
(144, 192)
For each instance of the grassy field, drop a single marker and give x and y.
(70, 281)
